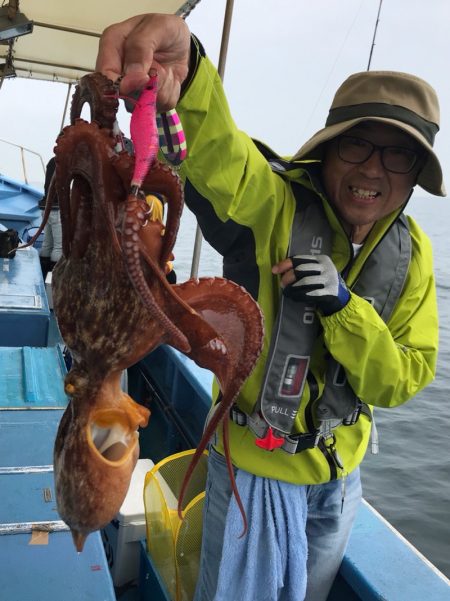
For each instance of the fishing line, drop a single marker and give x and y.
(338, 55)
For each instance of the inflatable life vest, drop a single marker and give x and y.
(296, 329)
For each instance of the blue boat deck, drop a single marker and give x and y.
(37, 554)
(381, 565)
(24, 310)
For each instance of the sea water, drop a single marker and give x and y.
(408, 482)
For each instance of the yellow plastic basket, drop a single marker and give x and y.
(174, 544)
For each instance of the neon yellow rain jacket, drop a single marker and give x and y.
(386, 364)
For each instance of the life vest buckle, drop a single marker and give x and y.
(296, 443)
(238, 416)
(351, 419)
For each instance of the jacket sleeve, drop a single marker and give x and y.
(223, 164)
(387, 364)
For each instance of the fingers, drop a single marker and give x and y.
(282, 266)
(133, 47)
(310, 282)
(117, 56)
(307, 269)
(168, 92)
(296, 267)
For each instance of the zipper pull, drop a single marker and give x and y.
(374, 437)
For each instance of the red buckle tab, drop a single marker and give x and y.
(269, 442)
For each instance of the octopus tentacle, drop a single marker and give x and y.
(234, 488)
(47, 211)
(134, 219)
(100, 94)
(82, 165)
(238, 320)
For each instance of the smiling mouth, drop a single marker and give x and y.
(362, 193)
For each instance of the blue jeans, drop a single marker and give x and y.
(52, 244)
(327, 529)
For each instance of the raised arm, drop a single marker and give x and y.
(222, 161)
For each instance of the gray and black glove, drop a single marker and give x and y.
(318, 281)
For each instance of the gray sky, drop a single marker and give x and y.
(285, 60)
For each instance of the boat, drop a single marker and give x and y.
(36, 551)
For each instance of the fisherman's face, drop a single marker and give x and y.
(364, 192)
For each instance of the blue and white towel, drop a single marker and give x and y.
(269, 562)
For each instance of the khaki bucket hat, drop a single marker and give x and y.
(391, 97)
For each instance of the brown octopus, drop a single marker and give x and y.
(114, 305)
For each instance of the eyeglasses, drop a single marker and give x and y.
(396, 159)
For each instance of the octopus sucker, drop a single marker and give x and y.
(114, 305)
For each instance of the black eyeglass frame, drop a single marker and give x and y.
(417, 155)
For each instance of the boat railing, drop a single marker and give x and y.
(23, 150)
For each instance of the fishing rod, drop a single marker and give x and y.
(374, 35)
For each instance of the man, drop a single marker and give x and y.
(51, 249)
(355, 325)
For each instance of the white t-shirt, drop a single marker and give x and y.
(356, 249)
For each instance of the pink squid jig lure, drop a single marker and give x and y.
(144, 132)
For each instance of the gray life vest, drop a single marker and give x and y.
(296, 330)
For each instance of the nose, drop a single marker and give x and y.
(373, 166)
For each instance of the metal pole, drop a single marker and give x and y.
(65, 106)
(225, 38)
(23, 165)
(55, 27)
(221, 71)
(22, 149)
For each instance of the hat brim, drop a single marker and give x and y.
(430, 177)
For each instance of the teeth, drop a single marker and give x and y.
(364, 193)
